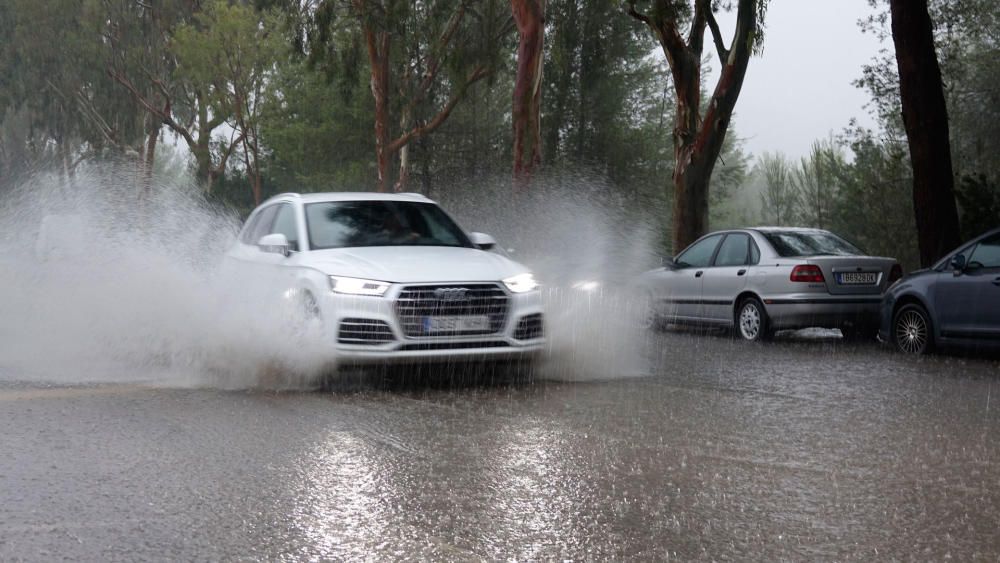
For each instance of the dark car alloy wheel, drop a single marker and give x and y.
(911, 330)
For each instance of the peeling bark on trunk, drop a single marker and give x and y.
(925, 118)
(404, 153)
(378, 57)
(147, 155)
(529, 15)
(202, 153)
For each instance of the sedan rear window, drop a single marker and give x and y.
(789, 244)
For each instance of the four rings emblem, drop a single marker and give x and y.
(451, 294)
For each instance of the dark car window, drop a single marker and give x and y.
(286, 224)
(260, 224)
(754, 253)
(734, 250)
(986, 254)
(699, 254)
(794, 244)
(339, 224)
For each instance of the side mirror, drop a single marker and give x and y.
(276, 243)
(482, 241)
(958, 263)
(668, 262)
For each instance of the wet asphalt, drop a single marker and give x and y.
(802, 449)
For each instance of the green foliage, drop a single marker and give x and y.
(780, 198)
(874, 201)
(295, 78)
(979, 200)
(317, 140)
(967, 33)
(816, 183)
(57, 100)
(604, 108)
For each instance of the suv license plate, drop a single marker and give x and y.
(857, 278)
(457, 324)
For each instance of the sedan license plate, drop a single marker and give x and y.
(857, 278)
(466, 323)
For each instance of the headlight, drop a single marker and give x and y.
(356, 286)
(521, 283)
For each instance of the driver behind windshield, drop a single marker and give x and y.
(395, 230)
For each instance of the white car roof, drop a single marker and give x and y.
(350, 196)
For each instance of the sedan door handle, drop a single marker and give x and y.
(698, 273)
(741, 272)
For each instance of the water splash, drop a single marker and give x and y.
(586, 242)
(98, 284)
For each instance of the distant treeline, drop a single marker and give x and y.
(256, 98)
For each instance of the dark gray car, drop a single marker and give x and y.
(955, 302)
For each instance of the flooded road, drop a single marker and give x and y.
(802, 449)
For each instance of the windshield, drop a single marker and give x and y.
(792, 244)
(340, 224)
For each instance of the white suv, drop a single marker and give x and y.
(391, 277)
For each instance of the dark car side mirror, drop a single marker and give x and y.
(958, 263)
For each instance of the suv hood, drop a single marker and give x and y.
(415, 264)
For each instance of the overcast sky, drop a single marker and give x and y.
(800, 89)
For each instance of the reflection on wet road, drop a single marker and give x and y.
(794, 450)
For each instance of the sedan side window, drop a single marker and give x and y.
(734, 251)
(986, 254)
(699, 254)
(286, 224)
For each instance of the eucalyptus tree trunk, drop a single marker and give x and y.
(925, 118)
(405, 122)
(698, 138)
(378, 56)
(529, 15)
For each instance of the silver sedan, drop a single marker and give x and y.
(761, 280)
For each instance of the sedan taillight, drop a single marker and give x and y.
(895, 274)
(807, 273)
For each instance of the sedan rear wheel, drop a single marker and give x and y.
(752, 323)
(912, 331)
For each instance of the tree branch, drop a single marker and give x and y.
(228, 152)
(429, 127)
(637, 14)
(696, 37)
(665, 30)
(88, 110)
(166, 118)
(434, 61)
(720, 47)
